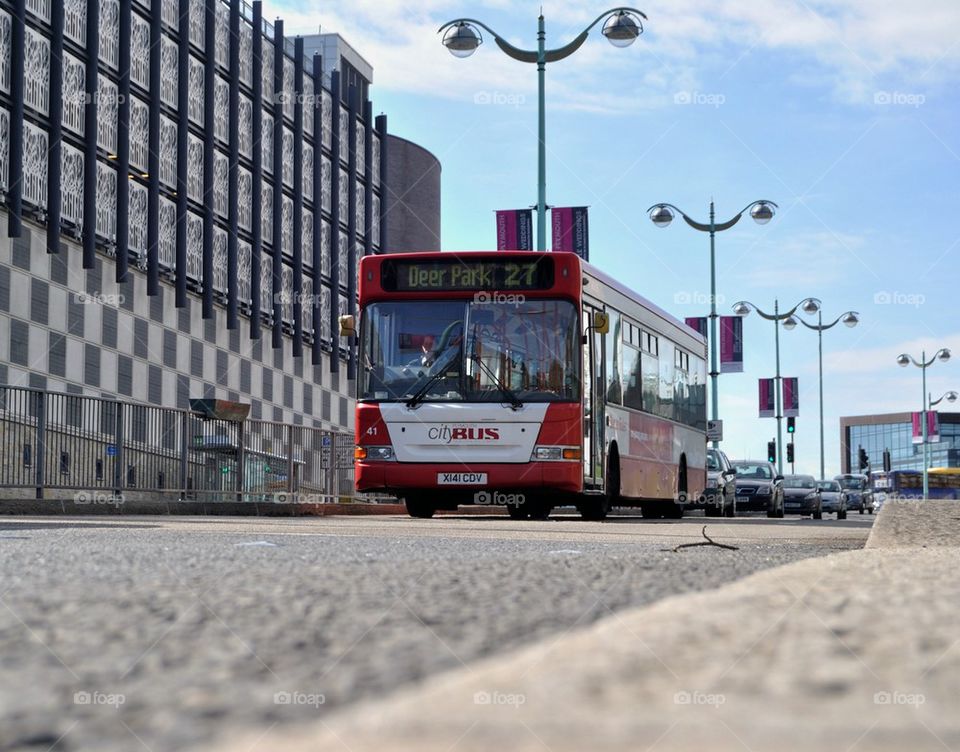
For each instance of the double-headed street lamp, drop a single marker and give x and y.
(851, 319)
(662, 215)
(807, 305)
(923, 364)
(461, 37)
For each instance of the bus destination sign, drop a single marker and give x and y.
(402, 275)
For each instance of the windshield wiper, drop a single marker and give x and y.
(418, 396)
(513, 399)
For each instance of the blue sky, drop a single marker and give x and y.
(844, 113)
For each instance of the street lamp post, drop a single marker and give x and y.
(461, 37)
(851, 319)
(807, 305)
(662, 215)
(923, 364)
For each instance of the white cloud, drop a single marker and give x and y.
(852, 48)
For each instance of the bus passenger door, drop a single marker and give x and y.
(593, 403)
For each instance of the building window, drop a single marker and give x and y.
(71, 185)
(168, 71)
(139, 51)
(167, 246)
(195, 95)
(36, 71)
(106, 202)
(110, 32)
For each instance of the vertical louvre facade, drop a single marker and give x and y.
(195, 96)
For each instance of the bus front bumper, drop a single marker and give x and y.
(464, 481)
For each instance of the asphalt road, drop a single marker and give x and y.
(159, 633)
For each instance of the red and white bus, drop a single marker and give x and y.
(526, 379)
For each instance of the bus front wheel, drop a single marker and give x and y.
(418, 507)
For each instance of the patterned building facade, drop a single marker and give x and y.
(186, 194)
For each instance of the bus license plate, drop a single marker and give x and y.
(461, 479)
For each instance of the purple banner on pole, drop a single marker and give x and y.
(515, 230)
(571, 230)
(767, 404)
(933, 428)
(791, 397)
(698, 324)
(731, 344)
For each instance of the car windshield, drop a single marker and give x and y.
(855, 484)
(829, 485)
(470, 351)
(798, 482)
(713, 461)
(749, 470)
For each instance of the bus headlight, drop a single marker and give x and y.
(373, 453)
(556, 454)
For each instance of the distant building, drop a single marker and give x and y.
(191, 229)
(413, 200)
(894, 432)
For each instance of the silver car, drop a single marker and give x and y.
(833, 498)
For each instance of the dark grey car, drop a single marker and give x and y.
(719, 497)
(801, 495)
(759, 487)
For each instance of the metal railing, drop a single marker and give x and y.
(102, 447)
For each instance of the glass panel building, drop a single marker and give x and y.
(894, 432)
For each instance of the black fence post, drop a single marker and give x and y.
(41, 452)
(184, 445)
(120, 456)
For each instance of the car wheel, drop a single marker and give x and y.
(710, 508)
(730, 510)
(842, 514)
(421, 508)
(818, 515)
(870, 510)
(861, 510)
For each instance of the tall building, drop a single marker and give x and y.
(185, 192)
(893, 432)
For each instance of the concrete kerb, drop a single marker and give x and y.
(913, 523)
(853, 651)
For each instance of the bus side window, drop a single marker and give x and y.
(612, 346)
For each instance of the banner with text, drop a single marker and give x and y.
(571, 231)
(791, 398)
(515, 230)
(933, 428)
(698, 324)
(731, 344)
(767, 404)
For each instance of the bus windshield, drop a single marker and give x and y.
(470, 350)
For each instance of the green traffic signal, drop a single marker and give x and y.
(771, 451)
(791, 425)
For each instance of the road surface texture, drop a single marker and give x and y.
(159, 633)
(853, 652)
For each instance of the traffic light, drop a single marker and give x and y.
(790, 452)
(864, 462)
(791, 425)
(771, 451)
(886, 460)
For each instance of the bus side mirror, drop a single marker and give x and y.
(348, 326)
(601, 322)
